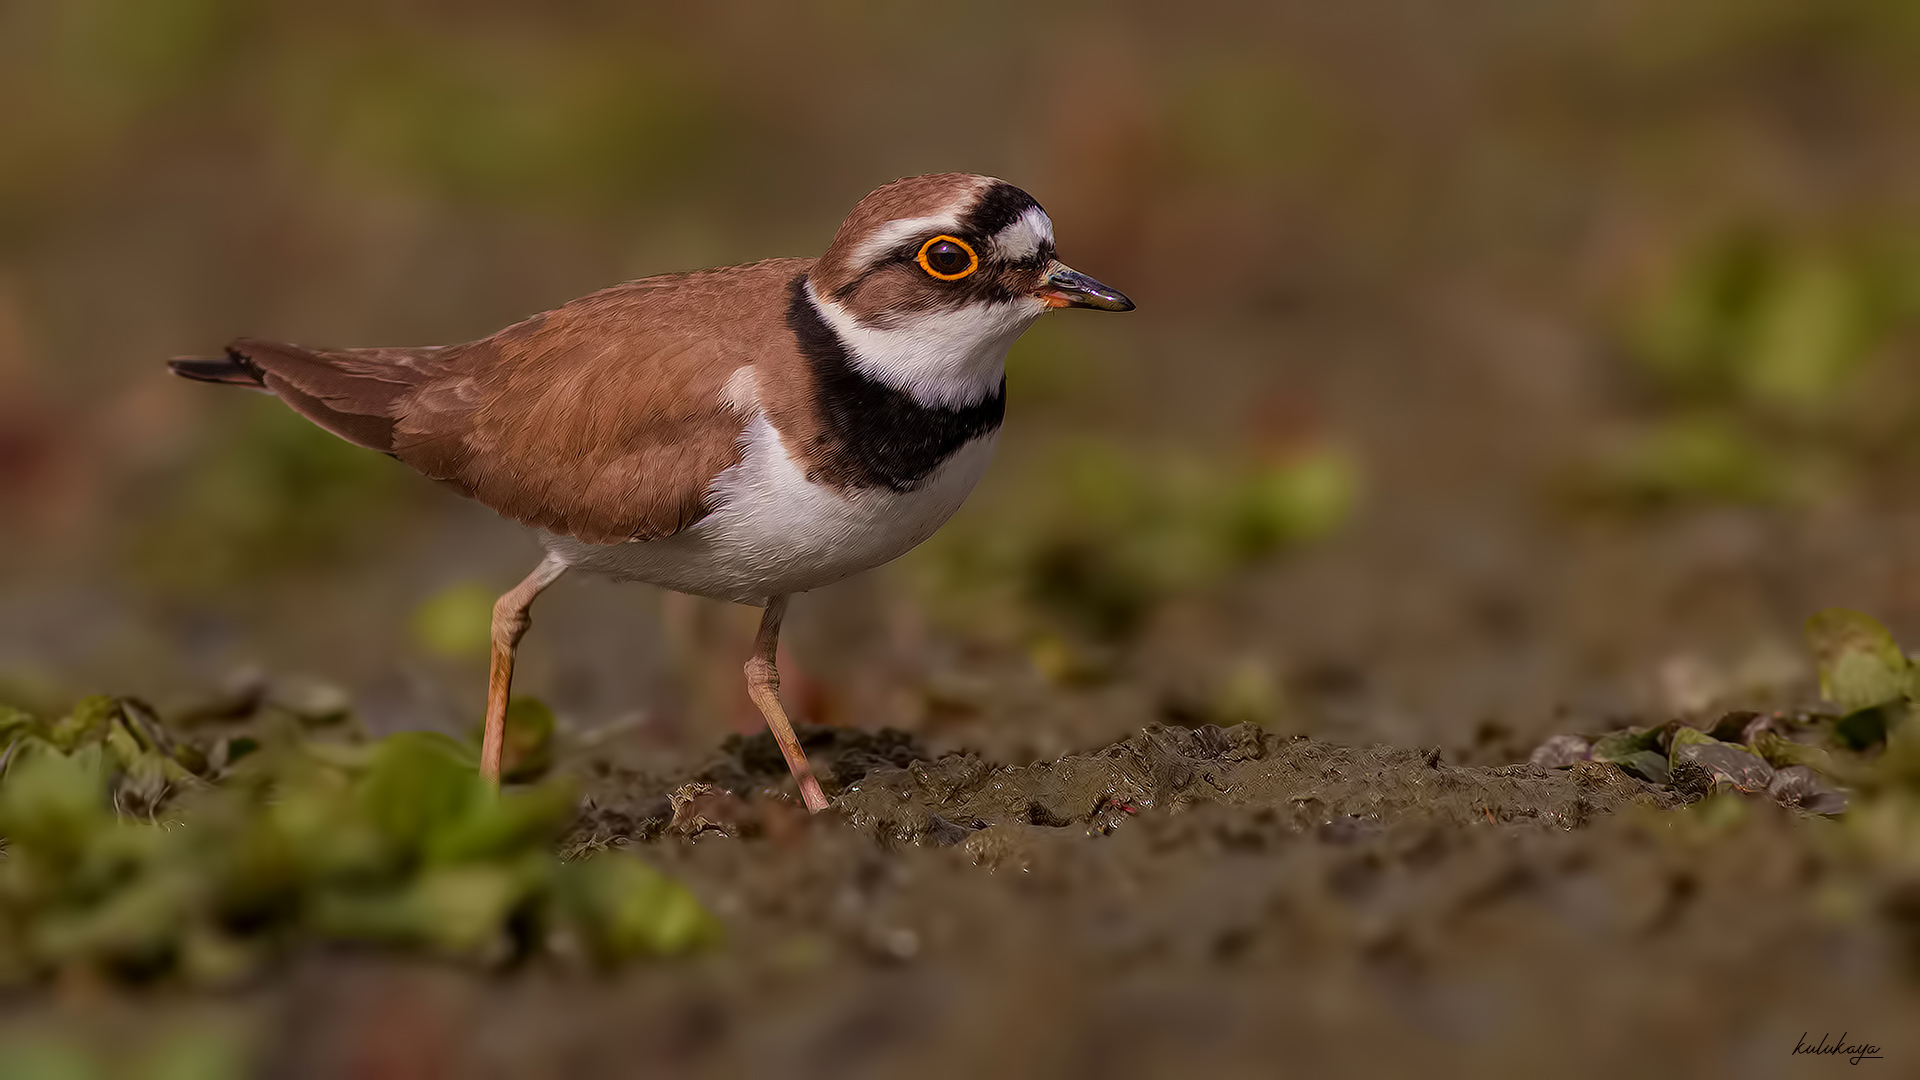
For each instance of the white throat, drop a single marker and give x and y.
(941, 359)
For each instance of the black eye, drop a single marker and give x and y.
(948, 258)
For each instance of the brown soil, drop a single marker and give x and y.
(1187, 900)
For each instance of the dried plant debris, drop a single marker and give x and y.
(145, 852)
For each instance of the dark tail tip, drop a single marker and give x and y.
(232, 369)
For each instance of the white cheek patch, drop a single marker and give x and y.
(942, 359)
(1025, 237)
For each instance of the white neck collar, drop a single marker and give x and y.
(941, 359)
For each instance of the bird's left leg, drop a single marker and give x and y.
(763, 686)
(510, 621)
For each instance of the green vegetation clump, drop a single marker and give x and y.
(141, 853)
(1859, 759)
(1105, 537)
(456, 622)
(1755, 351)
(266, 494)
(1866, 673)
(1755, 318)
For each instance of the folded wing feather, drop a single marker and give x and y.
(605, 420)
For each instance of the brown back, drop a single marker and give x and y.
(604, 420)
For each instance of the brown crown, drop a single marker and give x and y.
(912, 197)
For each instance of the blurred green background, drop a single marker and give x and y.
(1494, 361)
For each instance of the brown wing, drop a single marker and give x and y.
(604, 420)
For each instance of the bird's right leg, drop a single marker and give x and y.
(763, 686)
(510, 621)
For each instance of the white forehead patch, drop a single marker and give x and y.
(1024, 238)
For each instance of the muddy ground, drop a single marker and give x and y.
(1226, 901)
(1221, 901)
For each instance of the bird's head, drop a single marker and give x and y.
(931, 278)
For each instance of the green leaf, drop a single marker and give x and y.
(528, 750)
(1864, 729)
(1637, 750)
(1616, 744)
(311, 832)
(419, 783)
(345, 756)
(1690, 736)
(147, 779)
(1702, 456)
(136, 924)
(623, 908)
(24, 747)
(191, 758)
(1295, 500)
(1648, 765)
(1688, 327)
(376, 915)
(238, 747)
(211, 958)
(464, 908)
(512, 822)
(456, 622)
(53, 802)
(453, 909)
(122, 748)
(86, 723)
(15, 723)
(1782, 752)
(1808, 334)
(1860, 664)
(396, 841)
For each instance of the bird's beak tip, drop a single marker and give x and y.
(1066, 287)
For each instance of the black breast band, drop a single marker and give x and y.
(873, 435)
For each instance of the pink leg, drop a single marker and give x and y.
(763, 686)
(510, 621)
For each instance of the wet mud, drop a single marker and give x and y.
(1225, 901)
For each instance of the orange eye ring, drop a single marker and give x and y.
(973, 260)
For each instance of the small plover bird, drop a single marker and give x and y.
(744, 433)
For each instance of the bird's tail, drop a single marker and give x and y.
(350, 392)
(232, 369)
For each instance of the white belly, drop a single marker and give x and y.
(772, 532)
